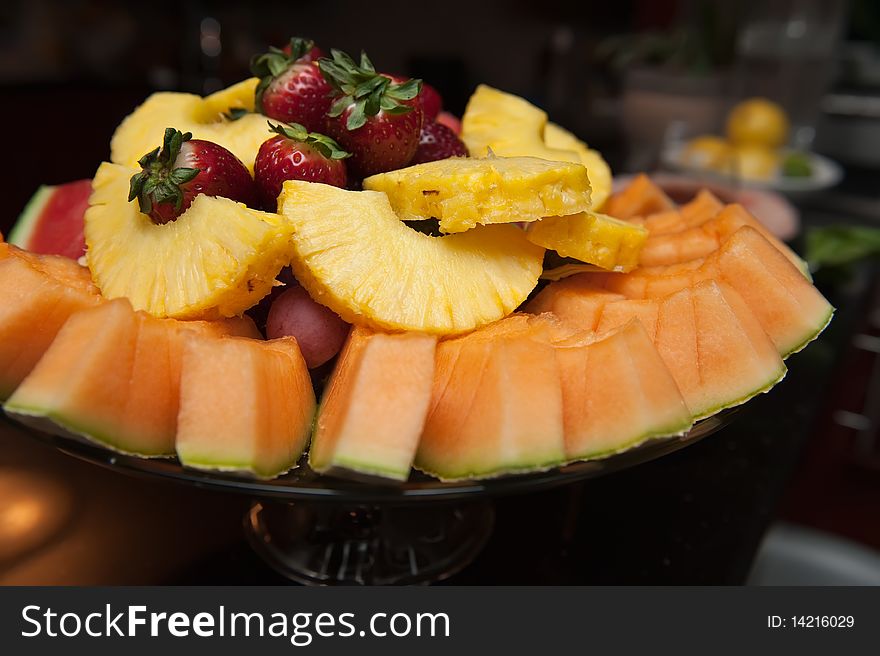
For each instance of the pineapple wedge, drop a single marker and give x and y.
(143, 129)
(354, 255)
(589, 237)
(216, 260)
(463, 192)
(511, 126)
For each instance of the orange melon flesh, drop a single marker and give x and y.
(703, 207)
(617, 392)
(112, 376)
(245, 405)
(708, 337)
(496, 408)
(703, 239)
(37, 295)
(374, 407)
(640, 198)
(788, 307)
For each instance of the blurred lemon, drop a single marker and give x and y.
(754, 162)
(757, 121)
(706, 152)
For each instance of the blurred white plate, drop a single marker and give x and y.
(826, 173)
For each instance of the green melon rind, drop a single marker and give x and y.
(812, 336)
(349, 467)
(57, 424)
(21, 232)
(212, 463)
(778, 375)
(656, 434)
(544, 464)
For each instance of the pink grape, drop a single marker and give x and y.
(318, 330)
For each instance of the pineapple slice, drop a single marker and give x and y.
(589, 237)
(354, 255)
(463, 192)
(598, 170)
(216, 260)
(143, 129)
(511, 126)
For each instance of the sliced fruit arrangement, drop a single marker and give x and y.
(37, 295)
(251, 200)
(462, 193)
(112, 376)
(257, 421)
(374, 407)
(216, 260)
(52, 221)
(354, 255)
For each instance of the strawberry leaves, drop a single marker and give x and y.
(157, 181)
(360, 87)
(322, 143)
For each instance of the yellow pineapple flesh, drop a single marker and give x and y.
(354, 255)
(204, 117)
(216, 260)
(463, 192)
(511, 126)
(593, 238)
(598, 170)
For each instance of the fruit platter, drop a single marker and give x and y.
(317, 284)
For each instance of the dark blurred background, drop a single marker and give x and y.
(797, 471)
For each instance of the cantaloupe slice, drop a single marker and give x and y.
(112, 376)
(496, 408)
(702, 239)
(374, 407)
(37, 295)
(788, 307)
(617, 392)
(641, 197)
(245, 405)
(709, 339)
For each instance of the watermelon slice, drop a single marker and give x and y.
(37, 295)
(375, 405)
(246, 406)
(112, 376)
(52, 221)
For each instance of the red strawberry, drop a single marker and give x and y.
(184, 168)
(376, 117)
(296, 154)
(451, 121)
(291, 87)
(438, 142)
(432, 103)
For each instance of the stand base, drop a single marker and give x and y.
(329, 544)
